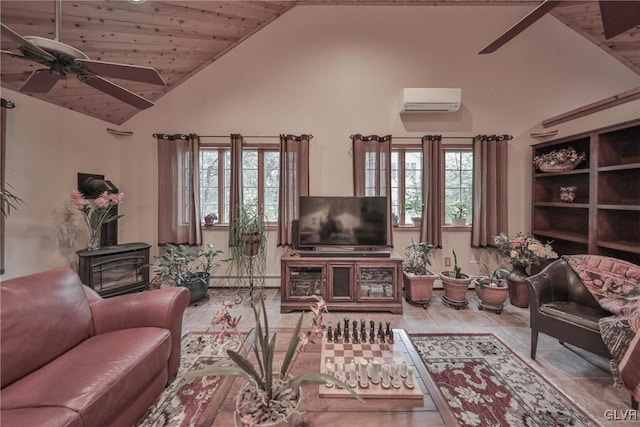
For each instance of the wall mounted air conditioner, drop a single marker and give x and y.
(430, 100)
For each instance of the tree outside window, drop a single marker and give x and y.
(458, 182)
(406, 184)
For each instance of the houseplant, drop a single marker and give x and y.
(560, 160)
(414, 208)
(248, 248)
(210, 219)
(523, 251)
(188, 267)
(455, 284)
(272, 396)
(458, 214)
(96, 213)
(418, 279)
(492, 288)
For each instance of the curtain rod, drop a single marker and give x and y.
(246, 136)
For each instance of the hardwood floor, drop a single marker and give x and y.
(583, 376)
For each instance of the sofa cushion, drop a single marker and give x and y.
(575, 313)
(41, 417)
(97, 378)
(43, 315)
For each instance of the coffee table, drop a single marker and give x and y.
(347, 411)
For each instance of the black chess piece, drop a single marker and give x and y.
(380, 330)
(381, 337)
(355, 339)
(372, 332)
(388, 331)
(346, 329)
(329, 332)
(363, 331)
(338, 332)
(336, 335)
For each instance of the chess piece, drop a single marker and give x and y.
(346, 329)
(381, 337)
(390, 338)
(352, 375)
(385, 376)
(363, 331)
(338, 331)
(355, 339)
(403, 369)
(388, 330)
(372, 332)
(329, 371)
(380, 330)
(364, 378)
(409, 381)
(395, 381)
(329, 332)
(340, 373)
(370, 368)
(375, 372)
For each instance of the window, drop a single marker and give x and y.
(458, 184)
(260, 180)
(406, 183)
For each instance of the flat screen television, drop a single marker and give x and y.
(342, 221)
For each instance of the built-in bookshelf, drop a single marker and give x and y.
(604, 217)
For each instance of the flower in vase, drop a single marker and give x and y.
(523, 249)
(97, 212)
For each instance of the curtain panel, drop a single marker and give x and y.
(235, 185)
(372, 171)
(432, 190)
(179, 189)
(294, 182)
(490, 206)
(3, 142)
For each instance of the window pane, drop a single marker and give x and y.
(208, 182)
(458, 192)
(271, 185)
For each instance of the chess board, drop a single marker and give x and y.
(384, 353)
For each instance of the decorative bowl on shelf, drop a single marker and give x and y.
(562, 160)
(557, 167)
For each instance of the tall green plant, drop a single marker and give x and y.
(456, 268)
(179, 261)
(248, 226)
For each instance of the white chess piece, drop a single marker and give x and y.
(329, 371)
(364, 378)
(353, 382)
(340, 371)
(409, 381)
(385, 376)
(403, 369)
(375, 372)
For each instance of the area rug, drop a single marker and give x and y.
(182, 403)
(485, 384)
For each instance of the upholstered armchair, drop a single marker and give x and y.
(562, 307)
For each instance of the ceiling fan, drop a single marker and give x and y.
(617, 17)
(62, 59)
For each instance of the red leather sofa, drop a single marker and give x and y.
(71, 358)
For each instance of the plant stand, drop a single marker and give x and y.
(454, 304)
(495, 308)
(249, 268)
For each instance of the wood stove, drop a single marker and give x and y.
(115, 270)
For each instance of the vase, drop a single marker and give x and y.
(518, 294)
(94, 240)
(248, 393)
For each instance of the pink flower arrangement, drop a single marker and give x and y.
(560, 157)
(98, 211)
(524, 249)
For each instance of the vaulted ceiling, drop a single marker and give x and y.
(179, 38)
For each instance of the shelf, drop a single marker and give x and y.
(633, 247)
(620, 207)
(561, 205)
(571, 237)
(555, 174)
(629, 166)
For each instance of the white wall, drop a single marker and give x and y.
(333, 71)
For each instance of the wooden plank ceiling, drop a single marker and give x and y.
(179, 38)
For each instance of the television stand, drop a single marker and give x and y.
(346, 280)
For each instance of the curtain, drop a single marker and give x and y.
(294, 182)
(3, 136)
(432, 190)
(179, 189)
(235, 185)
(372, 171)
(489, 188)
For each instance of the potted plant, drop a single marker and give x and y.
(210, 219)
(414, 208)
(458, 214)
(188, 267)
(248, 232)
(455, 284)
(272, 395)
(492, 288)
(418, 279)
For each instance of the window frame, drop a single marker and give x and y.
(401, 149)
(223, 147)
(455, 147)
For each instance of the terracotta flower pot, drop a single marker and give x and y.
(492, 297)
(418, 288)
(455, 290)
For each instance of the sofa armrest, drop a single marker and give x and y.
(540, 287)
(162, 308)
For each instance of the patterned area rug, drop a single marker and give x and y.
(182, 403)
(485, 384)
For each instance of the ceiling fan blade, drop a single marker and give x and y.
(14, 55)
(619, 16)
(25, 45)
(116, 91)
(521, 25)
(123, 71)
(40, 81)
